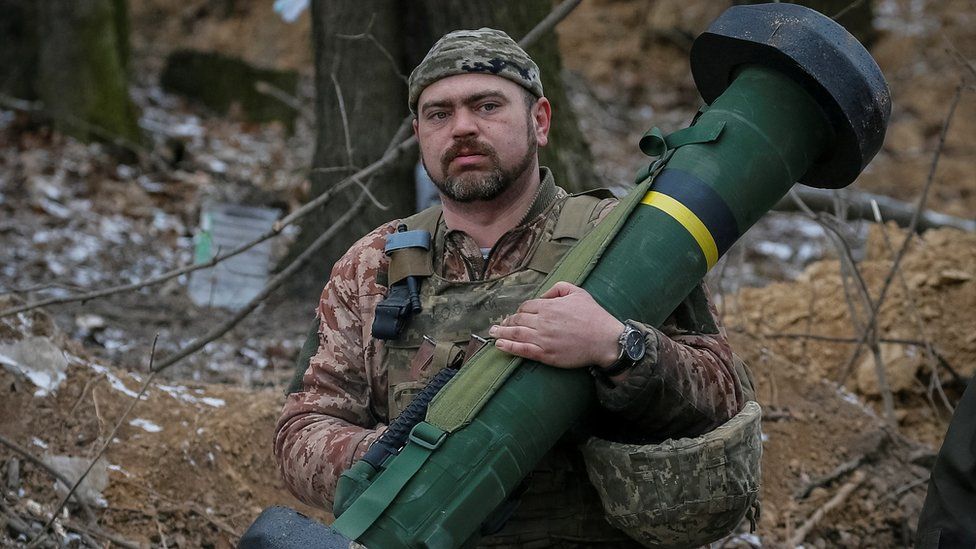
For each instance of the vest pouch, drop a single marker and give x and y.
(423, 364)
(680, 493)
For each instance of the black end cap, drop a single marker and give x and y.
(284, 528)
(822, 57)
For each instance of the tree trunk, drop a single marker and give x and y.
(18, 56)
(81, 69)
(373, 85)
(372, 106)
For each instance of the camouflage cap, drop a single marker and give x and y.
(474, 51)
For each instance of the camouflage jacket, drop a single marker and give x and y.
(685, 385)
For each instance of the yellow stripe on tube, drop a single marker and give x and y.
(688, 220)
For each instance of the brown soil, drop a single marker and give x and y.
(199, 480)
(202, 478)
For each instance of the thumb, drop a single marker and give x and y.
(560, 289)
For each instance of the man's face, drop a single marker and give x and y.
(478, 136)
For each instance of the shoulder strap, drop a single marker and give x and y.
(573, 223)
(415, 262)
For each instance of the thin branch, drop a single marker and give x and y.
(89, 515)
(872, 320)
(916, 316)
(803, 531)
(368, 35)
(849, 268)
(846, 9)
(833, 339)
(108, 440)
(342, 114)
(284, 97)
(272, 285)
(103, 534)
(549, 22)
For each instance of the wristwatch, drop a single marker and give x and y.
(632, 349)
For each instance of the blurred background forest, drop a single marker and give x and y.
(139, 138)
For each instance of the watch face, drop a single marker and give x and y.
(634, 345)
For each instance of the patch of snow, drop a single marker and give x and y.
(181, 392)
(146, 425)
(114, 381)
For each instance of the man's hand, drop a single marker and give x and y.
(565, 328)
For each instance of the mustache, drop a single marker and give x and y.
(465, 147)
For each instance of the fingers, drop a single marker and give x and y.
(519, 348)
(560, 289)
(529, 320)
(512, 333)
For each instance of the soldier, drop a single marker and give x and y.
(480, 116)
(948, 518)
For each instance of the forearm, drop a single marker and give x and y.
(313, 449)
(685, 385)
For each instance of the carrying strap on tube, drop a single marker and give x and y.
(424, 439)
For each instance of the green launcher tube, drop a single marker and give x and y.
(773, 130)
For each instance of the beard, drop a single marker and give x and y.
(480, 185)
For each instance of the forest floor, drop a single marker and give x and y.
(191, 465)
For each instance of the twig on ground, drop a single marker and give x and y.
(804, 530)
(26, 454)
(906, 487)
(841, 470)
(101, 533)
(903, 250)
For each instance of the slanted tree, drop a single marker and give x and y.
(364, 51)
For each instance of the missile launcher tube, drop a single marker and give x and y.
(706, 196)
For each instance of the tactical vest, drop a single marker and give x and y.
(559, 507)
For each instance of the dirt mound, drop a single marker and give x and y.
(191, 466)
(798, 337)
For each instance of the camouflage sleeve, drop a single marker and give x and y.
(686, 384)
(328, 424)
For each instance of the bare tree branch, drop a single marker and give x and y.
(860, 207)
(368, 35)
(803, 531)
(549, 22)
(896, 264)
(272, 285)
